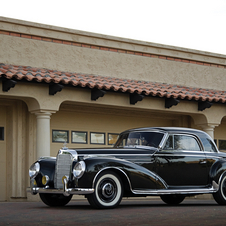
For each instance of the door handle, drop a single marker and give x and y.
(203, 162)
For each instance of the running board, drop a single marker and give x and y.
(188, 191)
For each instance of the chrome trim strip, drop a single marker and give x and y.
(114, 154)
(70, 191)
(175, 155)
(176, 191)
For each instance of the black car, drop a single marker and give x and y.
(168, 162)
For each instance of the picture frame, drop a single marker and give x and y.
(60, 136)
(112, 138)
(79, 137)
(97, 138)
(1, 133)
(222, 145)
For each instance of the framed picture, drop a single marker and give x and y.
(1, 133)
(60, 136)
(222, 145)
(112, 138)
(97, 138)
(79, 137)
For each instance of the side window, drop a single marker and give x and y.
(169, 143)
(182, 142)
(208, 145)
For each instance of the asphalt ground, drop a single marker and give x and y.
(130, 212)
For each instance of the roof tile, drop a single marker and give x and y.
(111, 83)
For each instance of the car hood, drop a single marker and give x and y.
(116, 151)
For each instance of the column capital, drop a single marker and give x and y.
(208, 125)
(209, 128)
(43, 112)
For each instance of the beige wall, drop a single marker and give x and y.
(3, 155)
(17, 150)
(22, 51)
(106, 120)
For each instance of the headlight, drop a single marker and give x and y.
(79, 169)
(34, 170)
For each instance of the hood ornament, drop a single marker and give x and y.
(65, 146)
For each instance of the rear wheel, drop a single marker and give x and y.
(172, 199)
(55, 199)
(220, 195)
(108, 191)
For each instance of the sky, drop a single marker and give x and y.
(192, 24)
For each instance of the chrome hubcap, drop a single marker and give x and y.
(107, 190)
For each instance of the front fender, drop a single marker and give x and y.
(47, 167)
(138, 177)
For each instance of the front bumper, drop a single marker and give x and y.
(65, 191)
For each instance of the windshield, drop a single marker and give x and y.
(151, 139)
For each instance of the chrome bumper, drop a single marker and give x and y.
(65, 191)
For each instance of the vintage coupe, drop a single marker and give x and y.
(168, 162)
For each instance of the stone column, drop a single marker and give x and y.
(43, 133)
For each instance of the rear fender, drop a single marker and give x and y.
(217, 170)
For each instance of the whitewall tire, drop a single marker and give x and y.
(108, 191)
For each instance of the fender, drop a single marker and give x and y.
(137, 176)
(47, 167)
(217, 169)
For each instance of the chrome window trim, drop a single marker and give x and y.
(145, 131)
(185, 134)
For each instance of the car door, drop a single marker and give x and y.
(182, 162)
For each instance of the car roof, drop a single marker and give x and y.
(166, 129)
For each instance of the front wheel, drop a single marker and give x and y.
(108, 191)
(55, 199)
(220, 195)
(172, 199)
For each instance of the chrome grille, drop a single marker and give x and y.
(62, 168)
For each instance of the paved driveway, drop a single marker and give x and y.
(130, 212)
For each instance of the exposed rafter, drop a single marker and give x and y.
(7, 84)
(96, 93)
(169, 102)
(202, 105)
(135, 97)
(54, 88)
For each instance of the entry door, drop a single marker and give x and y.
(182, 162)
(2, 154)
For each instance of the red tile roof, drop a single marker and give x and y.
(111, 83)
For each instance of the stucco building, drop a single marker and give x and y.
(60, 85)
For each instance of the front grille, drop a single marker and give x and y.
(62, 168)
